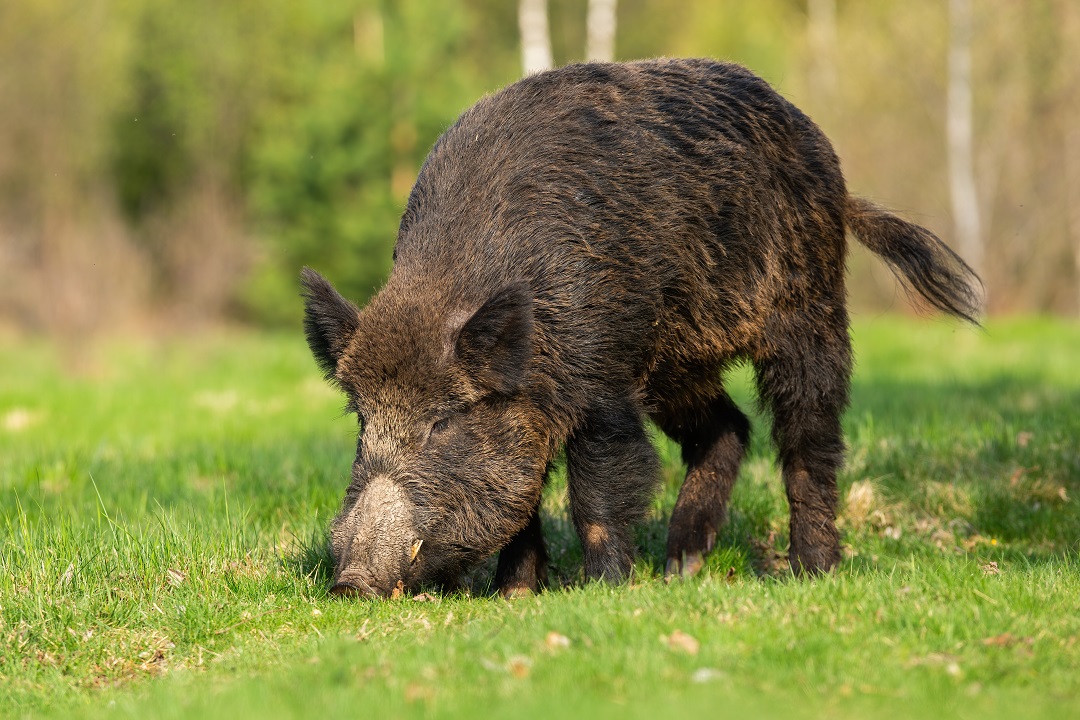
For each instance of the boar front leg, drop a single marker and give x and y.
(522, 567)
(713, 442)
(612, 470)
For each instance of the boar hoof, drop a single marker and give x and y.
(811, 562)
(690, 564)
(516, 592)
(686, 561)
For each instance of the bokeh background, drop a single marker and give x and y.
(166, 165)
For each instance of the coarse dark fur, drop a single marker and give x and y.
(586, 248)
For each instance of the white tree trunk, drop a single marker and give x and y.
(960, 137)
(600, 31)
(535, 39)
(1072, 190)
(1071, 60)
(821, 15)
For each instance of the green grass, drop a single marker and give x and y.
(161, 507)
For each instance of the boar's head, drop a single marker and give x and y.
(449, 461)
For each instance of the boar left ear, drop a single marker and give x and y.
(330, 321)
(495, 343)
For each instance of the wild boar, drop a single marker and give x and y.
(586, 248)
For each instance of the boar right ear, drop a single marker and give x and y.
(495, 343)
(330, 321)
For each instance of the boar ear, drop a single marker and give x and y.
(495, 343)
(330, 320)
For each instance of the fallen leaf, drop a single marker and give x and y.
(556, 641)
(935, 659)
(860, 503)
(399, 591)
(678, 640)
(19, 419)
(424, 597)
(706, 674)
(416, 691)
(174, 577)
(1007, 640)
(991, 568)
(769, 560)
(1002, 640)
(519, 666)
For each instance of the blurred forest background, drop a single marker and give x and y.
(165, 164)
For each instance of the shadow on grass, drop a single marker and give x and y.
(1005, 447)
(1002, 455)
(310, 557)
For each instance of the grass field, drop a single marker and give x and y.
(161, 510)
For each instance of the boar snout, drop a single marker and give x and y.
(353, 585)
(374, 541)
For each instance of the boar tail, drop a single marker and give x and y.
(918, 258)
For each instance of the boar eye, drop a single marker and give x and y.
(440, 425)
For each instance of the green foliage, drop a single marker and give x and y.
(319, 174)
(341, 143)
(162, 516)
(203, 152)
(312, 120)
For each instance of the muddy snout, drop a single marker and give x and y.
(353, 585)
(375, 544)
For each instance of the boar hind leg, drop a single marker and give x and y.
(612, 471)
(522, 567)
(807, 389)
(712, 447)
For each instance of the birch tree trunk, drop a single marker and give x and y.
(535, 38)
(960, 134)
(1072, 194)
(821, 16)
(600, 30)
(1071, 65)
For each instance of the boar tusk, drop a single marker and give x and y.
(414, 550)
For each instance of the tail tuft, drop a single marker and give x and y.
(918, 258)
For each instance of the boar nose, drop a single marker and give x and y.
(375, 541)
(353, 585)
(349, 590)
